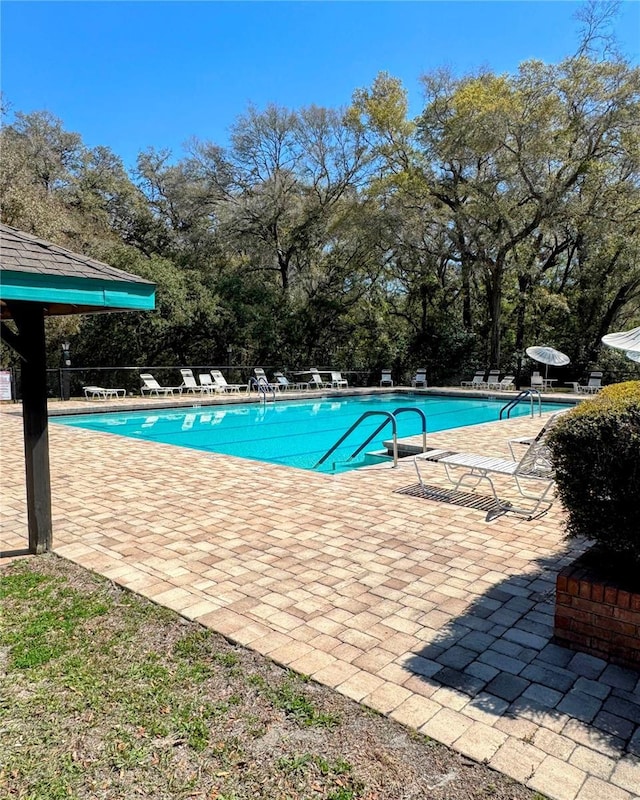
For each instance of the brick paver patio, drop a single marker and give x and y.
(419, 609)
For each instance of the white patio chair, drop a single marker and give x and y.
(206, 382)
(493, 379)
(261, 375)
(100, 393)
(477, 382)
(337, 381)
(505, 384)
(284, 383)
(190, 384)
(316, 382)
(537, 382)
(221, 382)
(385, 378)
(151, 386)
(420, 378)
(593, 385)
(468, 470)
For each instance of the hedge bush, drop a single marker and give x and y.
(596, 454)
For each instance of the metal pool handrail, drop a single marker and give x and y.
(530, 393)
(390, 416)
(262, 387)
(395, 412)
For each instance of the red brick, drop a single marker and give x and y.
(561, 583)
(627, 615)
(583, 628)
(587, 605)
(604, 636)
(563, 599)
(610, 595)
(581, 616)
(604, 612)
(584, 589)
(562, 622)
(597, 592)
(612, 627)
(573, 585)
(624, 599)
(573, 636)
(635, 602)
(624, 652)
(603, 642)
(631, 642)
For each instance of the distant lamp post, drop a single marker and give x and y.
(66, 363)
(229, 351)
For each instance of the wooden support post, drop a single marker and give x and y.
(29, 317)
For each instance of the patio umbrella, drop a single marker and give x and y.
(625, 340)
(634, 356)
(548, 356)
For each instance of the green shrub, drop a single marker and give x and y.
(596, 454)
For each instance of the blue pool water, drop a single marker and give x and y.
(296, 433)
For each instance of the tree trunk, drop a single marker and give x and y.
(524, 284)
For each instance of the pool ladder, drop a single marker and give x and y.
(526, 393)
(389, 417)
(263, 387)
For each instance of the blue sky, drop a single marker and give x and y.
(130, 75)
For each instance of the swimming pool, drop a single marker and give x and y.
(295, 433)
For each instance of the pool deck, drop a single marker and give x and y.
(417, 608)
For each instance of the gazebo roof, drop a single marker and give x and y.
(34, 270)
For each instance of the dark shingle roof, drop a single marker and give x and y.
(22, 252)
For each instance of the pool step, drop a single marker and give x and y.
(376, 457)
(365, 460)
(404, 448)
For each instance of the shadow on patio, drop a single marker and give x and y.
(499, 656)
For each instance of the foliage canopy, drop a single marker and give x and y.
(506, 214)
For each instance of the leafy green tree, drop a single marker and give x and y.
(181, 330)
(506, 214)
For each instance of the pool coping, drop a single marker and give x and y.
(137, 403)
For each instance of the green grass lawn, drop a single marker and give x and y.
(106, 695)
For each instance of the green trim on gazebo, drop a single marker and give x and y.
(79, 292)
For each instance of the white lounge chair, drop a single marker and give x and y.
(385, 378)
(100, 393)
(190, 384)
(337, 381)
(151, 386)
(505, 384)
(420, 378)
(206, 382)
(477, 382)
(534, 467)
(261, 375)
(316, 381)
(493, 379)
(221, 382)
(284, 383)
(593, 385)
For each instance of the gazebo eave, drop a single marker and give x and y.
(63, 294)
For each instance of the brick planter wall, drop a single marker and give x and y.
(598, 614)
